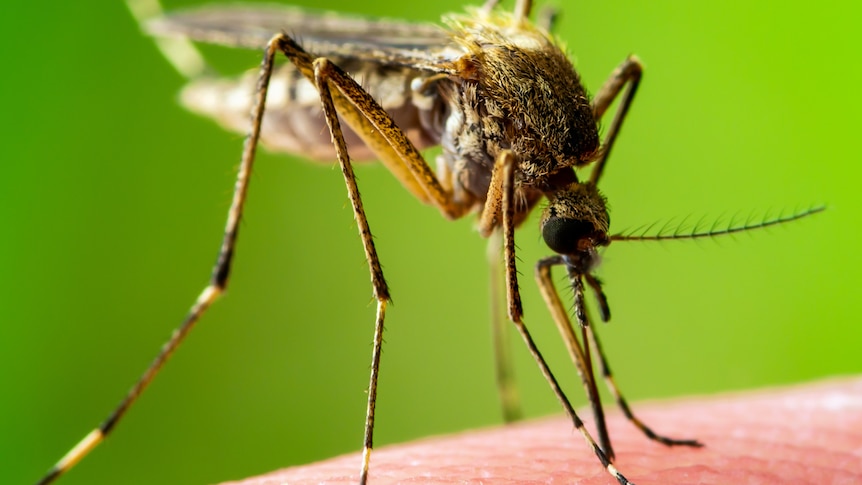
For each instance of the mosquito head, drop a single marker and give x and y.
(576, 222)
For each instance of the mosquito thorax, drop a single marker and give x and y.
(528, 94)
(576, 220)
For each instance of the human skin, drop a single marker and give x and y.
(796, 435)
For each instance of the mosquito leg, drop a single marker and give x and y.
(489, 226)
(589, 377)
(579, 353)
(489, 219)
(618, 397)
(322, 70)
(516, 313)
(628, 73)
(510, 400)
(379, 132)
(365, 116)
(217, 285)
(621, 401)
(522, 9)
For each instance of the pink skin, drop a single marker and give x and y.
(809, 434)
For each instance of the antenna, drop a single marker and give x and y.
(730, 228)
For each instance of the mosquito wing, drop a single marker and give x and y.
(380, 41)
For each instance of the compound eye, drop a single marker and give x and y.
(567, 236)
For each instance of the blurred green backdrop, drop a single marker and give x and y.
(114, 200)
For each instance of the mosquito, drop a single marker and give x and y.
(515, 124)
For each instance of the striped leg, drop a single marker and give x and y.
(627, 74)
(577, 351)
(621, 401)
(323, 72)
(507, 204)
(343, 98)
(217, 285)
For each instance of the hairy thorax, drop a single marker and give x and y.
(516, 91)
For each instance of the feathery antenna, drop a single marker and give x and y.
(680, 232)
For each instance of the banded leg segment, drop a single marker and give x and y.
(588, 377)
(580, 354)
(627, 74)
(489, 226)
(217, 285)
(621, 401)
(323, 72)
(507, 205)
(558, 311)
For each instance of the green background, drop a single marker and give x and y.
(114, 199)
